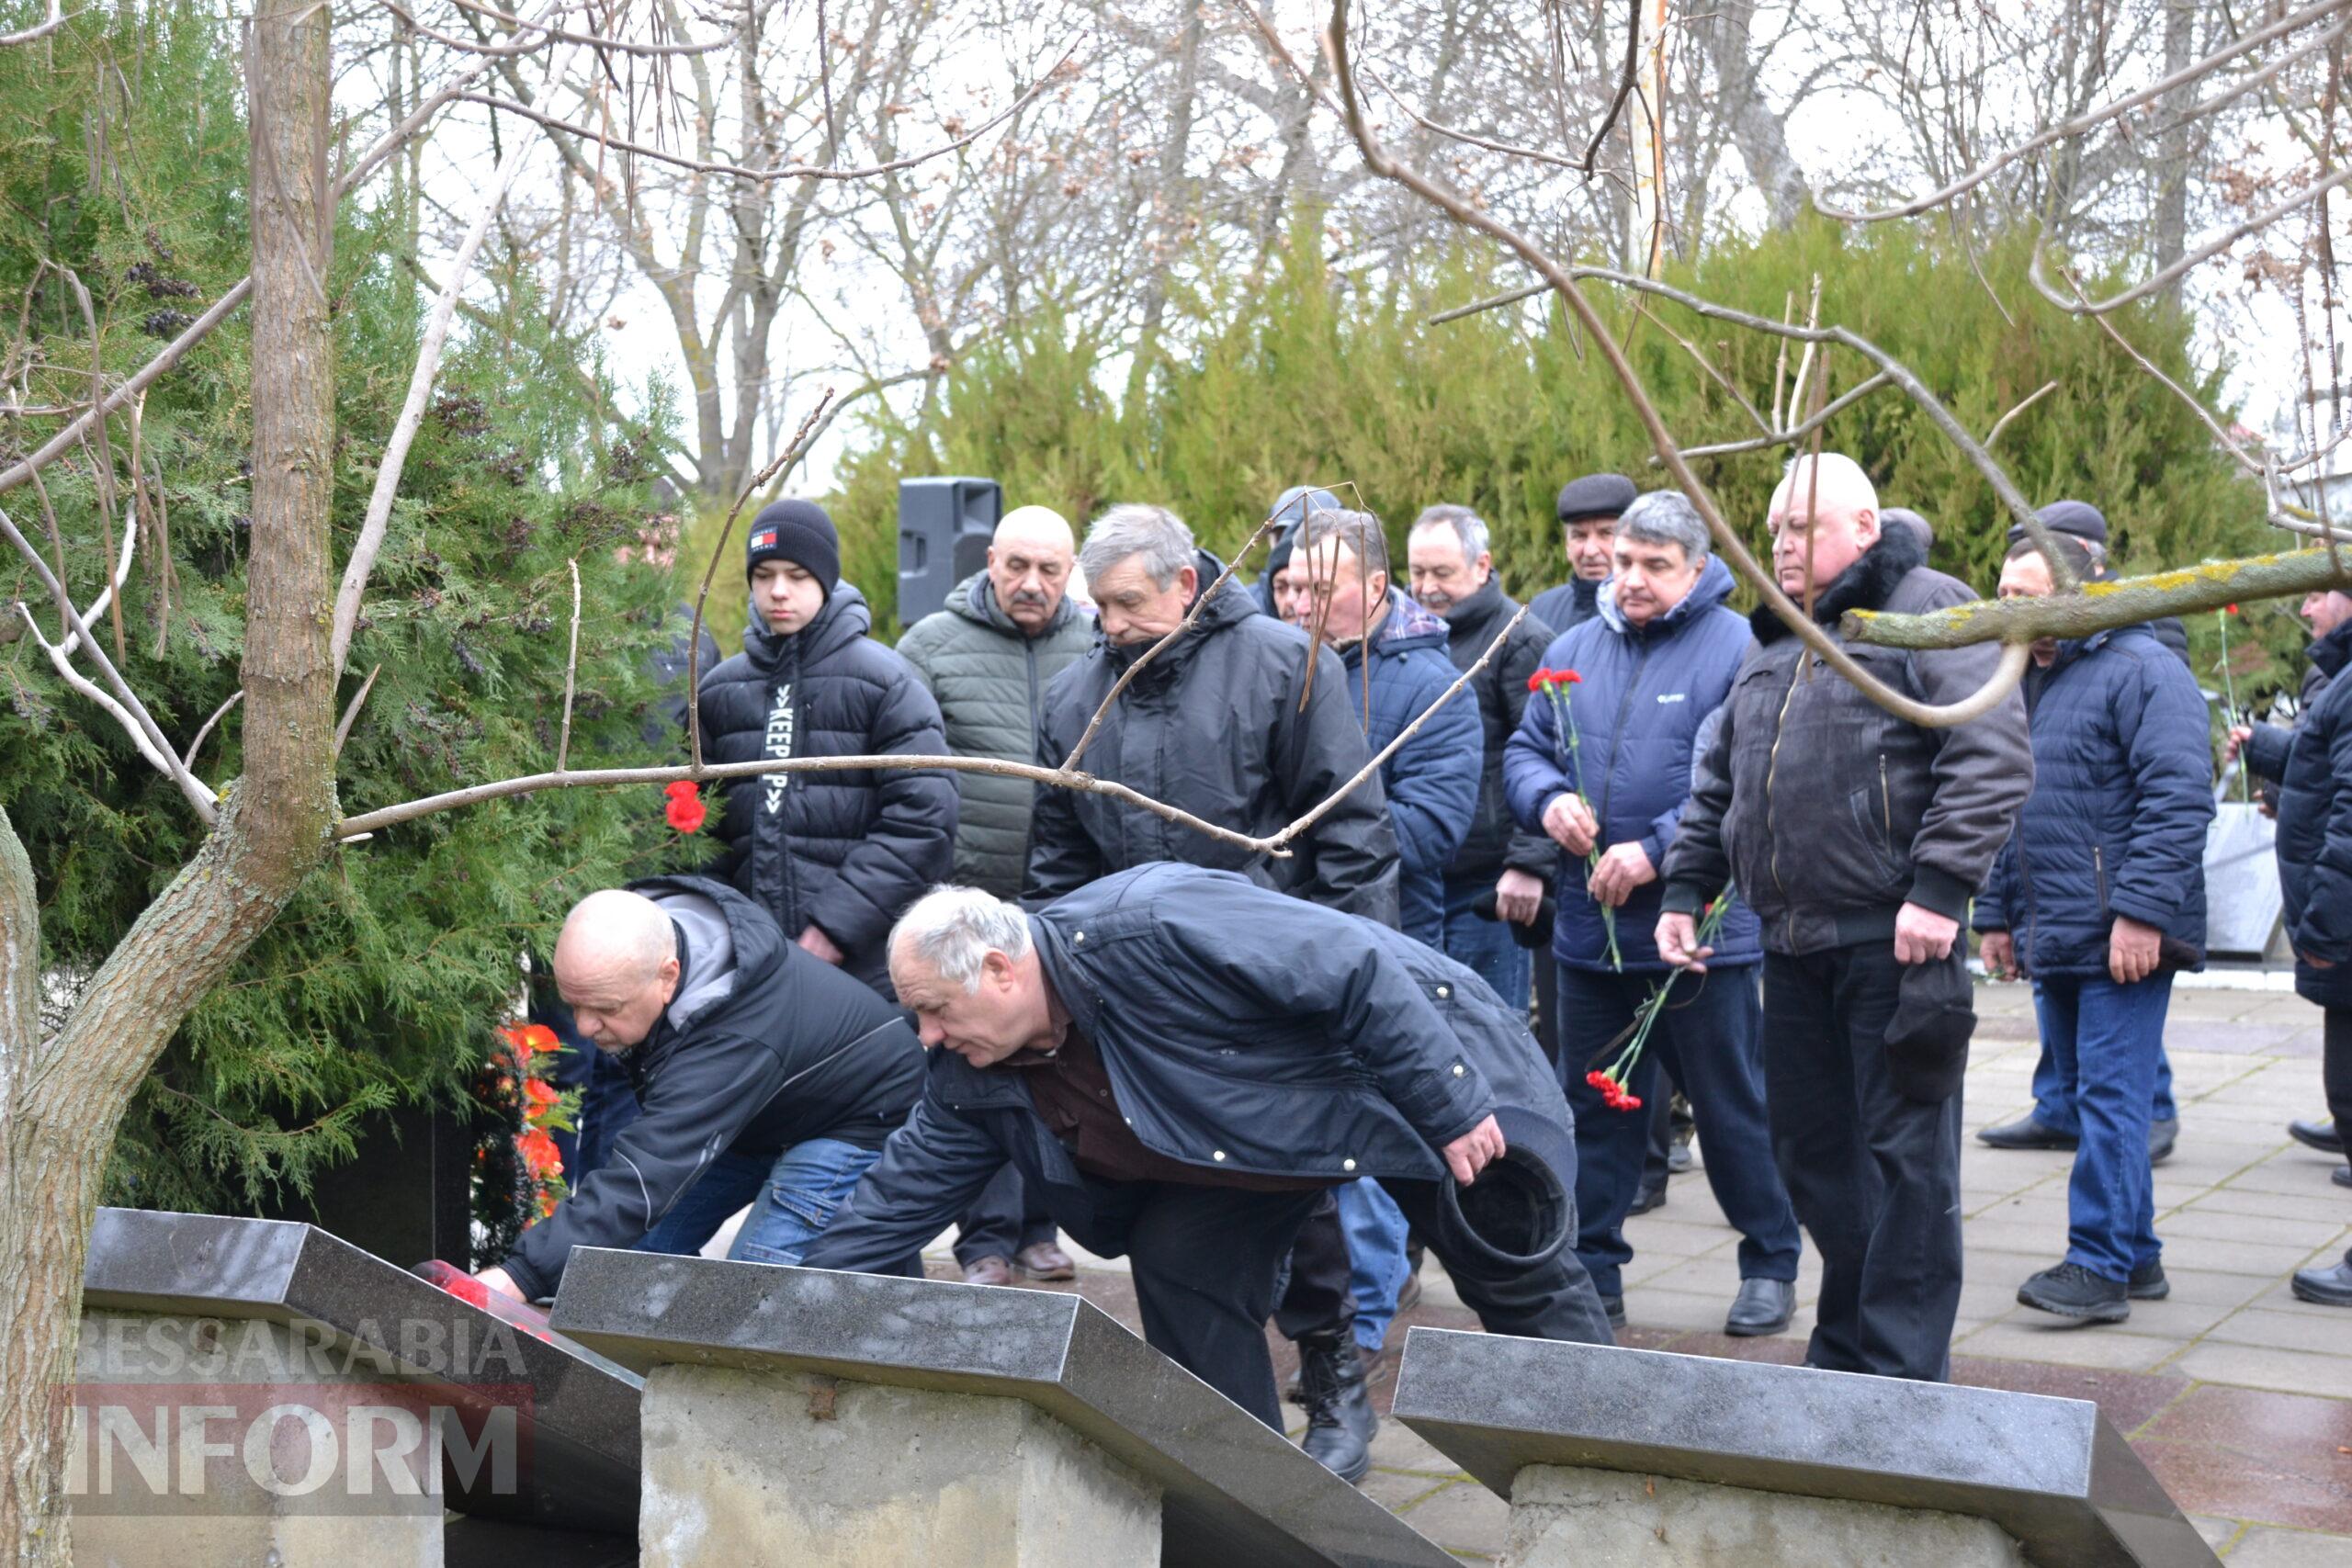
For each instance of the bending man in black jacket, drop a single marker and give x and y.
(767, 1077)
(1180, 1064)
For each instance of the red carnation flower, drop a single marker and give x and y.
(684, 810)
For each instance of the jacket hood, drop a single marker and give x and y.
(733, 947)
(975, 600)
(1409, 626)
(844, 620)
(1232, 605)
(1865, 585)
(1715, 585)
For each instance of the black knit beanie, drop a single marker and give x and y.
(799, 532)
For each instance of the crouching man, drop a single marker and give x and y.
(1181, 1062)
(768, 1078)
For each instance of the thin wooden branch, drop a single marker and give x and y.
(351, 709)
(2083, 122)
(102, 463)
(2164, 279)
(34, 34)
(1491, 302)
(188, 758)
(379, 517)
(571, 672)
(1733, 548)
(163, 759)
(784, 171)
(1820, 417)
(1453, 134)
(1624, 86)
(777, 470)
(600, 41)
(2030, 398)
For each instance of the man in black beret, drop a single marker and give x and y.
(1589, 511)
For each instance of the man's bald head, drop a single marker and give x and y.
(1029, 565)
(616, 966)
(1825, 516)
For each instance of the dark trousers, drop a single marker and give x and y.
(1874, 1177)
(1315, 1294)
(2336, 1065)
(1555, 1300)
(1710, 1038)
(1002, 1222)
(1205, 1261)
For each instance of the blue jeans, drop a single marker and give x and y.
(2107, 1040)
(2053, 1091)
(1486, 946)
(1711, 1038)
(1376, 1230)
(793, 1197)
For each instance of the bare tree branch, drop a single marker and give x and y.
(571, 672)
(1820, 417)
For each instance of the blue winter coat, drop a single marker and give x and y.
(1241, 1031)
(2315, 832)
(2123, 796)
(1432, 780)
(1641, 696)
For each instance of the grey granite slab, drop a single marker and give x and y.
(576, 1420)
(2052, 1473)
(1235, 1493)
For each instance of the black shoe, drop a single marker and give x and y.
(1340, 1419)
(2162, 1135)
(2320, 1135)
(2071, 1291)
(1649, 1196)
(2328, 1287)
(2148, 1282)
(1408, 1295)
(1616, 1307)
(2341, 1176)
(1762, 1306)
(1677, 1158)
(2026, 1132)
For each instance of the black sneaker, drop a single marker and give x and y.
(2320, 1134)
(1616, 1307)
(2071, 1291)
(1647, 1197)
(2148, 1282)
(1339, 1417)
(2162, 1135)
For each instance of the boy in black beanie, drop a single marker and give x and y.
(834, 856)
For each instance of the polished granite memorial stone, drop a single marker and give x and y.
(2055, 1476)
(573, 1422)
(1231, 1491)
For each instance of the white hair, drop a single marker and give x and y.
(1841, 485)
(1154, 534)
(951, 930)
(1464, 525)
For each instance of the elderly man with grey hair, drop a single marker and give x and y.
(768, 1077)
(1653, 666)
(1243, 722)
(1858, 838)
(1185, 1063)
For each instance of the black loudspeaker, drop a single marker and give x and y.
(945, 527)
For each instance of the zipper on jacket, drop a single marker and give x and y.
(1617, 734)
(2025, 880)
(2098, 869)
(1885, 803)
(1771, 775)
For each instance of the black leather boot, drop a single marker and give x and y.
(1340, 1419)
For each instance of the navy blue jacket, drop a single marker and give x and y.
(1568, 606)
(2123, 796)
(1432, 780)
(2315, 832)
(1242, 1031)
(1641, 696)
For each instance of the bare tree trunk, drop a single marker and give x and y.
(1761, 136)
(1172, 190)
(66, 1096)
(2171, 238)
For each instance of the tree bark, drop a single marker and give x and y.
(66, 1096)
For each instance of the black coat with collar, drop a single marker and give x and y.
(1215, 725)
(1829, 812)
(847, 852)
(1495, 842)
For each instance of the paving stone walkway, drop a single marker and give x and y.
(2236, 1395)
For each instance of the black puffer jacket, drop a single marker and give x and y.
(1495, 842)
(1829, 812)
(845, 852)
(2315, 832)
(762, 1047)
(1213, 726)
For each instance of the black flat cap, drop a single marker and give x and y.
(2078, 518)
(1596, 495)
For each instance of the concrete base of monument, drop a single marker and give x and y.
(206, 1443)
(1567, 1518)
(796, 1467)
